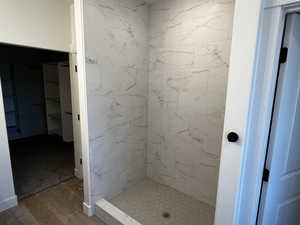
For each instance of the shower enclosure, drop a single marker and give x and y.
(156, 85)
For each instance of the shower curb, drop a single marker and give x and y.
(111, 215)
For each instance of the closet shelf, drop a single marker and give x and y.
(56, 116)
(53, 99)
(11, 111)
(58, 98)
(5, 80)
(52, 82)
(56, 131)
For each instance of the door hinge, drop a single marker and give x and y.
(76, 68)
(266, 175)
(78, 117)
(80, 161)
(283, 55)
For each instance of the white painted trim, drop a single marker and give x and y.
(247, 23)
(75, 111)
(111, 215)
(79, 29)
(251, 89)
(259, 117)
(8, 203)
(88, 209)
(280, 3)
(77, 173)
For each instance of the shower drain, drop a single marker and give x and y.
(166, 215)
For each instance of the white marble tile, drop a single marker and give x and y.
(189, 57)
(117, 85)
(156, 83)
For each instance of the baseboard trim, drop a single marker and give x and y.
(77, 173)
(88, 209)
(8, 203)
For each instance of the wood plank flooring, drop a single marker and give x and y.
(60, 205)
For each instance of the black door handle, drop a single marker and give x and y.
(232, 137)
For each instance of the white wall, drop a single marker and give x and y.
(7, 193)
(36, 23)
(189, 58)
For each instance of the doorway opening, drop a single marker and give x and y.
(40, 102)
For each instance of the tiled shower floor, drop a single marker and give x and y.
(151, 203)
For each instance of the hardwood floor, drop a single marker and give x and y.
(60, 205)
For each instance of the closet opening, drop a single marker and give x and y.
(41, 108)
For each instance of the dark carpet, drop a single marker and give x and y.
(40, 163)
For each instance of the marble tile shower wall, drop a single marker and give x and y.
(189, 55)
(117, 85)
(156, 81)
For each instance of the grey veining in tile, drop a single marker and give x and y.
(189, 58)
(156, 83)
(117, 86)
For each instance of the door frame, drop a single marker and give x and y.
(257, 35)
(88, 207)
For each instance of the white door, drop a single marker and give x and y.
(281, 194)
(76, 117)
